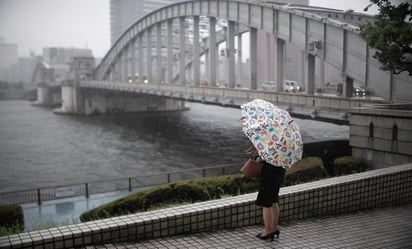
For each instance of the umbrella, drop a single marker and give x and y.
(273, 132)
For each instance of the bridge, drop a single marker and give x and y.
(145, 68)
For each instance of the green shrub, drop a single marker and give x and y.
(349, 165)
(187, 191)
(11, 219)
(11, 215)
(175, 193)
(305, 170)
(9, 230)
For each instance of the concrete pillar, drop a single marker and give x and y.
(188, 74)
(268, 56)
(133, 61)
(72, 98)
(231, 54)
(321, 72)
(239, 60)
(311, 74)
(141, 73)
(159, 70)
(118, 65)
(196, 51)
(125, 64)
(348, 87)
(68, 102)
(253, 58)
(280, 62)
(207, 65)
(182, 51)
(149, 55)
(43, 95)
(302, 68)
(213, 63)
(111, 74)
(170, 51)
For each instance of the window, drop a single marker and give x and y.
(395, 133)
(371, 130)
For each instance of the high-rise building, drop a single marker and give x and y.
(123, 13)
(8, 59)
(8, 52)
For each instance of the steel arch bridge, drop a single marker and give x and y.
(318, 37)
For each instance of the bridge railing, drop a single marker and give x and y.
(334, 103)
(130, 184)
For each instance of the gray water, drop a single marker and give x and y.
(39, 148)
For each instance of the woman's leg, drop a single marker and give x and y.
(270, 218)
(267, 220)
(275, 218)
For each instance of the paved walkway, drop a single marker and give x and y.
(379, 228)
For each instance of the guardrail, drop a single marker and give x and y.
(129, 184)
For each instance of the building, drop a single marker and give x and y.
(123, 13)
(8, 59)
(63, 56)
(9, 54)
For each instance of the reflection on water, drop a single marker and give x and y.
(41, 149)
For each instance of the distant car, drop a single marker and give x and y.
(269, 85)
(357, 90)
(288, 86)
(132, 79)
(291, 86)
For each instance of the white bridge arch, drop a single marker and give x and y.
(338, 44)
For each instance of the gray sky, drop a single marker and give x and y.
(34, 24)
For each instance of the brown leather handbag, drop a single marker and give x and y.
(252, 168)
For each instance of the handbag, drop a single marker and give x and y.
(252, 168)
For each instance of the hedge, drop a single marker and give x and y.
(193, 190)
(11, 219)
(11, 215)
(349, 165)
(307, 169)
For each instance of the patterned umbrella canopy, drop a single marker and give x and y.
(273, 132)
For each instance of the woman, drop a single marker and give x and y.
(270, 181)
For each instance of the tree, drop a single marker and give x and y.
(391, 35)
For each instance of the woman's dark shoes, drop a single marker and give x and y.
(276, 233)
(269, 235)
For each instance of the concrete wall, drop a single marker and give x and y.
(382, 134)
(118, 102)
(76, 100)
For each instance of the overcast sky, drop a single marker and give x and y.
(34, 24)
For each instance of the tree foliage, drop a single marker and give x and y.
(391, 36)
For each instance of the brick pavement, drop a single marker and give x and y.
(379, 228)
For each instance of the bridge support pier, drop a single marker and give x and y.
(43, 95)
(70, 99)
(46, 96)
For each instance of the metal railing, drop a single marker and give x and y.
(124, 184)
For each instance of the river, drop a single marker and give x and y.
(39, 148)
